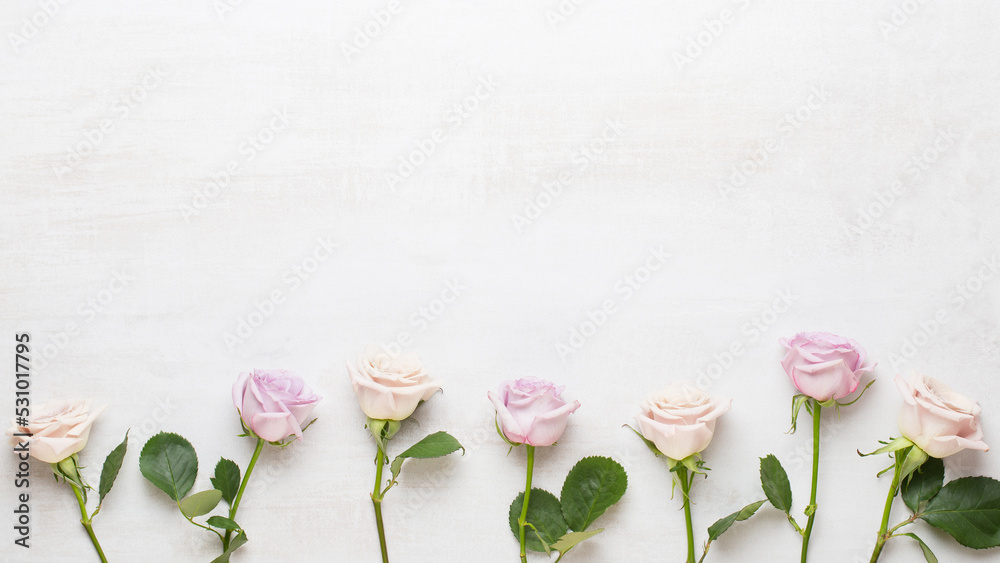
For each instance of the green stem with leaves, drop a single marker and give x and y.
(686, 482)
(377, 494)
(523, 520)
(239, 494)
(817, 414)
(883, 533)
(87, 520)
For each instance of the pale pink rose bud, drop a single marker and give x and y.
(531, 411)
(58, 429)
(680, 419)
(390, 388)
(824, 366)
(274, 403)
(938, 420)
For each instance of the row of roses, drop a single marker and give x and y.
(678, 423)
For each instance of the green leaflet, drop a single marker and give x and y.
(239, 541)
(923, 484)
(573, 539)
(227, 479)
(434, 445)
(723, 524)
(544, 515)
(969, 510)
(112, 465)
(201, 503)
(222, 523)
(591, 487)
(774, 481)
(928, 554)
(169, 462)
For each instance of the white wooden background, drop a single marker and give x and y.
(169, 169)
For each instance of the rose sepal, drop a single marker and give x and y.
(69, 470)
(382, 431)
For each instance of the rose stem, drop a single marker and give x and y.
(817, 415)
(883, 536)
(686, 483)
(86, 521)
(239, 494)
(377, 502)
(524, 507)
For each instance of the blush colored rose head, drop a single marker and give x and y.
(532, 411)
(938, 420)
(824, 366)
(390, 388)
(680, 419)
(58, 429)
(274, 403)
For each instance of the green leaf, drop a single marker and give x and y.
(169, 462)
(924, 484)
(545, 514)
(227, 479)
(723, 524)
(969, 510)
(201, 503)
(592, 486)
(223, 523)
(239, 541)
(112, 465)
(928, 554)
(572, 539)
(434, 445)
(774, 481)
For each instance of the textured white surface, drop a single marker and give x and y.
(640, 147)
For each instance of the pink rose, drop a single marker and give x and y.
(680, 419)
(938, 420)
(58, 429)
(824, 366)
(274, 403)
(390, 388)
(531, 411)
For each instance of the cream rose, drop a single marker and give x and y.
(938, 420)
(680, 419)
(58, 429)
(389, 388)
